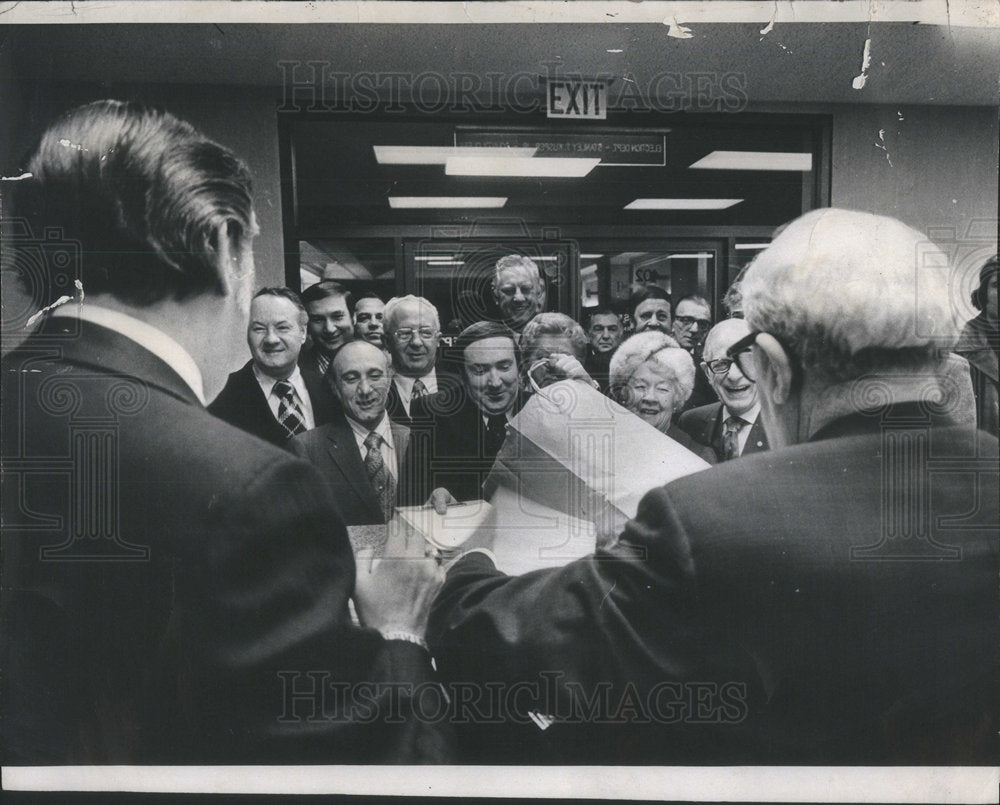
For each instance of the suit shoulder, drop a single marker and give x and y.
(700, 414)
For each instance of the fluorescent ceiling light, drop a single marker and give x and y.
(750, 246)
(451, 202)
(446, 263)
(682, 203)
(438, 155)
(691, 256)
(545, 259)
(590, 256)
(549, 167)
(755, 161)
(425, 257)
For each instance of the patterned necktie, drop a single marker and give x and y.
(731, 438)
(381, 479)
(496, 432)
(419, 390)
(289, 414)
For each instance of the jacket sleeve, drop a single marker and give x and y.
(622, 616)
(269, 643)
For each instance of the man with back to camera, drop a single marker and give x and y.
(359, 455)
(271, 397)
(368, 314)
(650, 309)
(519, 290)
(329, 306)
(217, 571)
(793, 606)
(732, 427)
(604, 331)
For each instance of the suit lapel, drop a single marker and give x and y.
(260, 410)
(757, 440)
(400, 442)
(343, 449)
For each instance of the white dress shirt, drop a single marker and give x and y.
(145, 335)
(404, 385)
(301, 394)
(748, 417)
(386, 447)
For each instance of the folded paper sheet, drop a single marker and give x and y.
(574, 450)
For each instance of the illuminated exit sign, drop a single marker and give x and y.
(583, 99)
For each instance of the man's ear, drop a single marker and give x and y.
(233, 262)
(774, 369)
(707, 372)
(496, 293)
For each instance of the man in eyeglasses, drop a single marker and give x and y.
(692, 319)
(831, 601)
(731, 427)
(412, 335)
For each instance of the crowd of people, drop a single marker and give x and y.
(787, 605)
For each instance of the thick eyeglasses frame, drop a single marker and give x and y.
(405, 335)
(739, 353)
(691, 321)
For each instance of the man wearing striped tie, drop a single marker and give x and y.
(271, 396)
(360, 454)
(731, 427)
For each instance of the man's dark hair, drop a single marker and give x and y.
(604, 311)
(644, 293)
(369, 295)
(326, 289)
(482, 330)
(693, 297)
(988, 269)
(284, 293)
(143, 194)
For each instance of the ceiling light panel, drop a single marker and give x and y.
(445, 202)
(438, 155)
(755, 161)
(535, 167)
(682, 203)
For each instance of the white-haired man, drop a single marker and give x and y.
(412, 334)
(732, 426)
(830, 601)
(519, 290)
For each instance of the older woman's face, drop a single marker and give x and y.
(650, 394)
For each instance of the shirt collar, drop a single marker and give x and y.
(145, 335)
(267, 382)
(382, 429)
(405, 383)
(747, 416)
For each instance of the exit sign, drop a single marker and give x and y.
(586, 100)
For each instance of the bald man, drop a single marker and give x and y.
(732, 426)
(359, 455)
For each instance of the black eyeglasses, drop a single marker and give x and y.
(691, 321)
(739, 353)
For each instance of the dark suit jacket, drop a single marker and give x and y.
(243, 404)
(170, 581)
(815, 619)
(704, 425)
(333, 450)
(447, 449)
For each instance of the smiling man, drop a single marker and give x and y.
(271, 397)
(732, 426)
(359, 455)
(456, 436)
(329, 306)
(519, 290)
